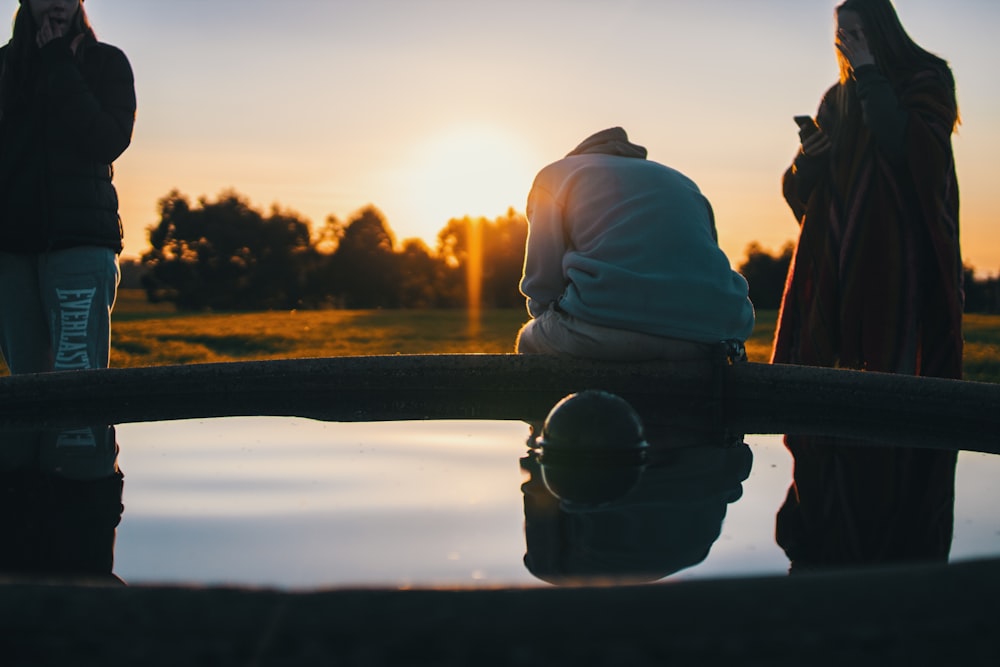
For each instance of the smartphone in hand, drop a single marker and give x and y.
(807, 126)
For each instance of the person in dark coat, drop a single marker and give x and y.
(67, 110)
(875, 285)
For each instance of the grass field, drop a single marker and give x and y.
(145, 334)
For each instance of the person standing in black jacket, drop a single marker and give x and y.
(67, 110)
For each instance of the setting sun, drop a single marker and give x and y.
(431, 111)
(466, 171)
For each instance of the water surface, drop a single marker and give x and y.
(299, 504)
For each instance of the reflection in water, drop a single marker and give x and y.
(61, 502)
(592, 449)
(654, 517)
(305, 504)
(855, 504)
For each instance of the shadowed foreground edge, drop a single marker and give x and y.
(917, 615)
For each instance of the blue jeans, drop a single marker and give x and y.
(55, 309)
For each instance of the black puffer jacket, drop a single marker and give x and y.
(58, 141)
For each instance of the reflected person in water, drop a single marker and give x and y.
(622, 261)
(856, 504)
(607, 500)
(668, 523)
(59, 507)
(875, 284)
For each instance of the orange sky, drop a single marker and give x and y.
(432, 109)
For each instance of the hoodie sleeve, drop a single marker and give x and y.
(543, 281)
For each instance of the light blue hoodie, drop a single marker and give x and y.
(620, 241)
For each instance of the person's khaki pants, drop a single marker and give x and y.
(555, 332)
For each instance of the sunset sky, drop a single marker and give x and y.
(433, 109)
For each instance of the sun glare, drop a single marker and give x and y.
(466, 171)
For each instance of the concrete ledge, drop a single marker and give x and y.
(744, 398)
(917, 615)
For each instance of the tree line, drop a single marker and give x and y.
(227, 255)
(766, 272)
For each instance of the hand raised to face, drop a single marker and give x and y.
(54, 29)
(851, 40)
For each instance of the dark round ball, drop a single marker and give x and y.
(592, 448)
(593, 420)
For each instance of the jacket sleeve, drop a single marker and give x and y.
(806, 172)
(543, 282)
(800, 180)
(884, 116)
(95, 116)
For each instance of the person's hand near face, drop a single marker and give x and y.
(851, 40)
(53, 18)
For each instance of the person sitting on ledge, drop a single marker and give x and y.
(623, 262)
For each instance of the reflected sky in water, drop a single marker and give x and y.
(301, 504)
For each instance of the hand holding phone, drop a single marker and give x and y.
(807, 126)
(814, 141)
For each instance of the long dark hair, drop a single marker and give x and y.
(897, 56)
(20, 57)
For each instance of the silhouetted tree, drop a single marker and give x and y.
(423, 278)
(766, 274)
(365, 269)
(502, 243)
(981, 295)
(131, 274)
(328, 237)
(225, 255)
(452, 251)
(281, 258)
